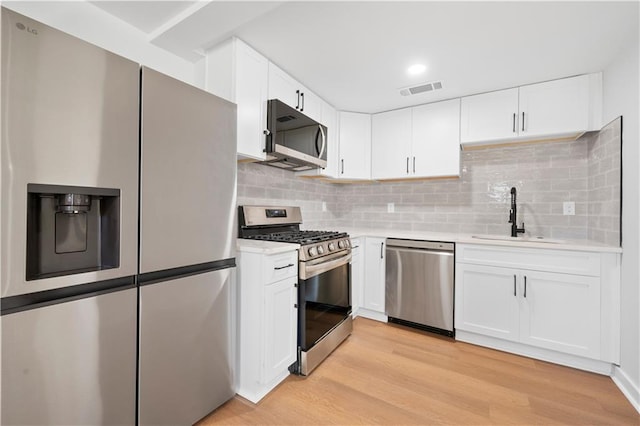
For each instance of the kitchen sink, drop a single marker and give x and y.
(519, 239)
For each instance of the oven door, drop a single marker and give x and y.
(324, 298)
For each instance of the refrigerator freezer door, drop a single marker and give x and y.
(72, 363)
(69, 117)
(185, 348)
(188, 175)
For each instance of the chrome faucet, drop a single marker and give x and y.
(513, 215)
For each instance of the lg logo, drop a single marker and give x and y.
(23, 27)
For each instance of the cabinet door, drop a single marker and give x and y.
(561, 312)
(487, 301)
(355, 145)
(280, 328)
(374, 274)
(310, 104)
(357, 275)
(391, 144)
(489, 116)
(555, 107)
(436, 139)
(282, 86)
(251, 89)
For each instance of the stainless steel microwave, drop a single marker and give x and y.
(293, 140)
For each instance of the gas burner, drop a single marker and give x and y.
(282, 224)
(299, 237)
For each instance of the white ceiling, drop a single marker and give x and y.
(145, 15)
(355, 54)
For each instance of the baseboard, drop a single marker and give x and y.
(255, 392)
(630, 390)
(574, 361)
(377, 316)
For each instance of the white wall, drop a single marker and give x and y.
(621, 97)
(92, 24)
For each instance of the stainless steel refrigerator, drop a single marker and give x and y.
(118, 193)
(69, 191)
(187, 250)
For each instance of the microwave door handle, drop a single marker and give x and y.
(324, 141)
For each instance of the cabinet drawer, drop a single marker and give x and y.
(280, 266)
(562, 261)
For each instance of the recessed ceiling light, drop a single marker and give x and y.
(416, 69)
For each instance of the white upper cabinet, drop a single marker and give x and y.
(391, 144)
(555, 107)
(563, 108)
(285, 88)
(238, 73)
(489, 116)
(354, 140)
(435, 139)
(418, 142)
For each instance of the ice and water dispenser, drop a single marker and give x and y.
(71, 230)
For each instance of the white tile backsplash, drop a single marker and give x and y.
(585, 171)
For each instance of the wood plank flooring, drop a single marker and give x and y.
(389, 374)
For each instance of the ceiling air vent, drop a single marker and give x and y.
(422, 88)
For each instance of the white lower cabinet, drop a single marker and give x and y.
(374, 277)
(267, 320)
(486, 302)
(563, 308)
(280, 328)
(561, 312)
(357, 275)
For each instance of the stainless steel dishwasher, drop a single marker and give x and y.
(419, 284)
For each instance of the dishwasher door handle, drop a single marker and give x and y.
(421, 244)
(420, 250)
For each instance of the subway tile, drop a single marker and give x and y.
(545, 175)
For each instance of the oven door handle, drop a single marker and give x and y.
(309, 271)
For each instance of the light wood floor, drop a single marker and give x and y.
(388, 374)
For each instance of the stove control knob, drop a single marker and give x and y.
(347, 243)
(332, 246)
(313, 251)
(320, 250)
(341, 244)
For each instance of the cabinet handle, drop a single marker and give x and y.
(407, 165)
(295, 305)
(414, 164)
(514, 284)
(342, 166)
(523, 121)
(302, 96)
(514, 122)
(277, 268)
(298, 105)
(381, 250)
(525, 286)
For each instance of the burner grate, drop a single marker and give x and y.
(299, 237)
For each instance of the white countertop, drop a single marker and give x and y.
(494, 240)
(264, 247)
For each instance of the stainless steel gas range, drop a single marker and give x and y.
(324, 279)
